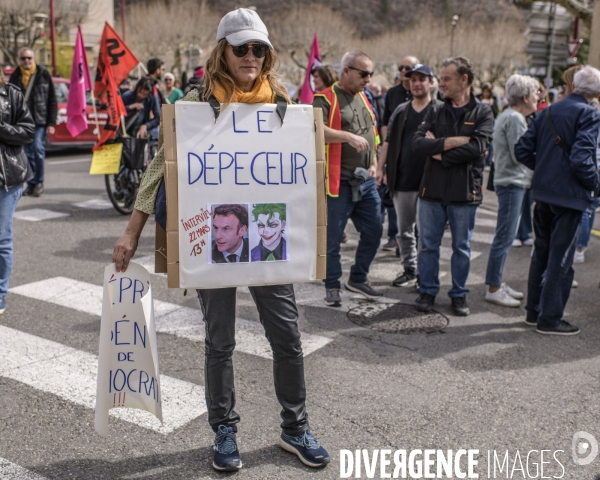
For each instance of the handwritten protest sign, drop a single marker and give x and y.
(128, 374)
(247, 195)
(107, 160)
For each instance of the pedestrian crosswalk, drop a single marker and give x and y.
(10, 471)
(171, 318)
(71, 374)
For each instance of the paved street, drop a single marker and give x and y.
(486, 382)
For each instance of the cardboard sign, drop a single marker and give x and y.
(107, 160)
(246, 194)
(128, 374)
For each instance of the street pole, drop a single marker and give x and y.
(53, 38)
(454, 22)
(548, 80)
(123, 19)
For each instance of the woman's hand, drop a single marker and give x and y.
(127, 243)
(123, 251)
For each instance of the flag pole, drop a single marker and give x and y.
(94, 100)
(95, 114)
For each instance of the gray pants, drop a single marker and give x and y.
(405, 204)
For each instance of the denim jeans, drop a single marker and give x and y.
(510, 205)
(36, 153)
(551, 270)
(365, 215)
(432, 219)
(587, 223)
(278, 315)
(8, 204)
(392, 223)
(525, 224)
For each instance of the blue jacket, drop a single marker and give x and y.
(150, 105)
(560, 179)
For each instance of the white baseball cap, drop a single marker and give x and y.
(242, 26)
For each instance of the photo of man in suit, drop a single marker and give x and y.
(270, 221)
(229, 229)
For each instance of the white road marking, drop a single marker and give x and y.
(11, 471)
(148, 263)
(71, 374)
(38, 214)
(446, 253)
(487, 212)
(65, 162)
(95, 204)
(485, 222)
(171, 318)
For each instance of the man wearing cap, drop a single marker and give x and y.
(399, 93)
(404, 168)
(454, 137)
(352, 141)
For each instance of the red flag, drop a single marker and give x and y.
(114, 53)
(314, 61)
(115, 61)
(116, 108)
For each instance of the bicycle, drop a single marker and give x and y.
(123, 186)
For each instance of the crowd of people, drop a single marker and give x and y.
(412, 152)
(436, 147)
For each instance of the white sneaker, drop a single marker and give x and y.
(511, 292)
(575, 284)
(517, 243)
(528, 242)
(502, 298)
(579, 256)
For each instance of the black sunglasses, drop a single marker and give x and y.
(26, 58)
(363, 73)
(408, 68)
(259, 50)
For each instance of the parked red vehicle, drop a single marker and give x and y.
(61, 137)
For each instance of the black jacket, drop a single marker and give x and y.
(218, 257)
(394, 97)
(16, 129)
(395, 132)
(42, 100)
(457, 178)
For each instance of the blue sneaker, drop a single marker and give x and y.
(227, 457)
(2, 305)
(307, 448)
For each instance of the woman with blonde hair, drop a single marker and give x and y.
(241, 68)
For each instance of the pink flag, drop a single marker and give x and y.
(80, 83)
(314, 61)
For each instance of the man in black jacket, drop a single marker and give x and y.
(404, 168)
(36, 83)
(398, 93)
(455, 138)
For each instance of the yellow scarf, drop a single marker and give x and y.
(26, 74)
(260, 93)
